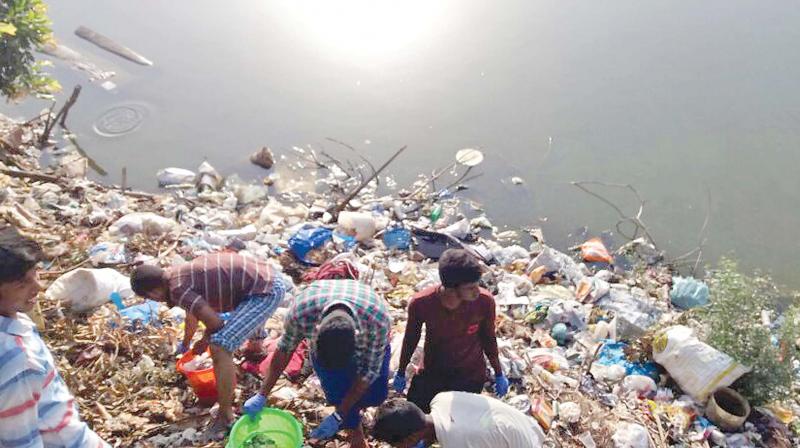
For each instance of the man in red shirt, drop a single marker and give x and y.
(459, 329)
(212, 284)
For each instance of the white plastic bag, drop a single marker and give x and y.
(85, 289)
(107, 253)
(630, 435)
(361, 225)
(174, 176)
(698, 368)
(148, 223)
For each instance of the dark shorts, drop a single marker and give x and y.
(336, 384)
(426, 385)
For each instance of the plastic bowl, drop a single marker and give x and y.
(278, 425)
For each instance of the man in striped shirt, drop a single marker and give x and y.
(212, 284)
(36, 408)
(348, 325)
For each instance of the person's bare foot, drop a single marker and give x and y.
(218, 429)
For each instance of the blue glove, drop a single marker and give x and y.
(421, 444)
(328, 428)
(399, 382)
(180, 349)
(501, 385)
(254, 404)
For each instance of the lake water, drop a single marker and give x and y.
(668, 96)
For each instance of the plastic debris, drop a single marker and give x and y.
(175, 176)
(631, 435)
(397, 238)
(85, 289)
(688, 293)
(362, 226)
(307, 239)
(697, 367)
(146, 223)
(595, 251)
(569, 412)
(552, 309)
(200, 362)
(727, 409)
(469, 157)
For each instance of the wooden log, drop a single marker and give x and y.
(107, 43)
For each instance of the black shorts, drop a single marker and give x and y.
(425, 386)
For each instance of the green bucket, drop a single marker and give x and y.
(280, 426)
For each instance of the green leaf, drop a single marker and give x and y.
(8, 28)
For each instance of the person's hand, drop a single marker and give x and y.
(180, 349)
(501, 385)
(200, 346)
(328, 428)
(421, 444)
(254, 404)
(399, 382)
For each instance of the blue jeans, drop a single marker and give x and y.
(336, 384)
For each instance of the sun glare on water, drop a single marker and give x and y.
(366, 29)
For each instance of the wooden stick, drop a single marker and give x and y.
(31, 175)
(342, 205)
(60, 116)
(70, 102)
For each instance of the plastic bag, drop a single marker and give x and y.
(508, 255)
(688, 293)
(85, 289)
(630, 435)
(595, 251)
(459, 229)
(174, 176)
(698, 368)
(397, 238)
(147, 223)
(142, 314)
(613, 354)
(307, 239)
(556, 261)
(107, 253)
(634, 310)
(360, 225)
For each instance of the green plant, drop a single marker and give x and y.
(24, 27)
(734, 324)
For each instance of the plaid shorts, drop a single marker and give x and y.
(248, 319)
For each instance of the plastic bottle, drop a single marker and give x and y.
(436, 213)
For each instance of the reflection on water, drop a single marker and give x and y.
(120, 120)
(667, 96)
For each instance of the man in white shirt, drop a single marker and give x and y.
(457, 420)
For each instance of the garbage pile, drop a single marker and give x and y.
(599, 355)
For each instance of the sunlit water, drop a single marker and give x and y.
(667, 96)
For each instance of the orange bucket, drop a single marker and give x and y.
(203, 382)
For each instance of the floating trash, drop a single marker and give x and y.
(120, 120)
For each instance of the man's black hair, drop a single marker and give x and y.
(457, 267)
(18, 255)
(397, 419)
(336, 339)
(146, 278)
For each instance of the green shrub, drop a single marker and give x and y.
(734, 325)
(24, 27)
